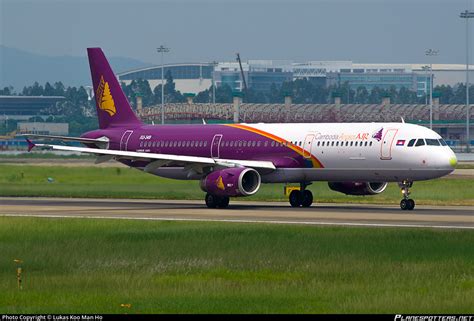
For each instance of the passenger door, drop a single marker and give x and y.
(216, 141)
(308, 142)
(387, 142)
(124, 140)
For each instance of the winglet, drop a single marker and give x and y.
(31, 145)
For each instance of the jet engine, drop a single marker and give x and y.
(358, 188)
(237, 181)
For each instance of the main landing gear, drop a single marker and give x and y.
(406, 203)
(302, 197)
(213, 201)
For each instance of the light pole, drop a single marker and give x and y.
(431, 52)
(214, 64)
(425, 69)
(162, 49)
(466, 15)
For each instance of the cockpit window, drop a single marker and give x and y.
(411, 142)
(432, 142)
(420, 142)
(442, 142)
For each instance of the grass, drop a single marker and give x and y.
(130, 183)
(465, 166)
(94, 266)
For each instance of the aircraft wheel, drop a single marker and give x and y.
(211, 200)
(404, 204)
(411, 204)
(223, 202)
(307, 198)
(296, 198)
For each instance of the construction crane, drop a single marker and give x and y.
(242, 72)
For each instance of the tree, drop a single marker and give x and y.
(6, 91)
(204, 96)
(275, 96)
(446, 94)
(224, 94)
(49, 90)
(171, 94)
(58, 89)
(406, 96)
(362, 95)
(253, 96)
(35, 90)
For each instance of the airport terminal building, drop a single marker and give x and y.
(262, 74)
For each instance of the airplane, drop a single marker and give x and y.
(233, 160)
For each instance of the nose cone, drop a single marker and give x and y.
(453, 161)
(448, 161)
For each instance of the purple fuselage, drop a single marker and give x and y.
(216, 141)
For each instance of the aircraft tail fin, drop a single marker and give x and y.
(113, 108)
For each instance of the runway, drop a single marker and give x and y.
(458, 217)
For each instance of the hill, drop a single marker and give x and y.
(20, 68)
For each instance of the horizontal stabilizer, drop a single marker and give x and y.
(98, 141)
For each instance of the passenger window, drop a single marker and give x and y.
(442, 142)
(253, 143)
(432, 142)
(205, 143)
(259, 143)
(411, 142)
(365, 143)
(332, 143)
(370, 143)
(420, 142)
(352, 143)
(265, 144)
(273, 143)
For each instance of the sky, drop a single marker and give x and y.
(366, 31)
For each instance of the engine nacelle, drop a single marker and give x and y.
(358, 188)
(237, 181)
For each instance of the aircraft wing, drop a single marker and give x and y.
(158, 160)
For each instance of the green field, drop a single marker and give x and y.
(117, 182)
(94, 266)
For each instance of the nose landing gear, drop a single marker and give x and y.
(302, 197)
(406, 203)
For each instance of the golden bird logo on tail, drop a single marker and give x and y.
(104, 97)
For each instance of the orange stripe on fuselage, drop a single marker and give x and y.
(316, 163)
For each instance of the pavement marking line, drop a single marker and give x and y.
(246, 221)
